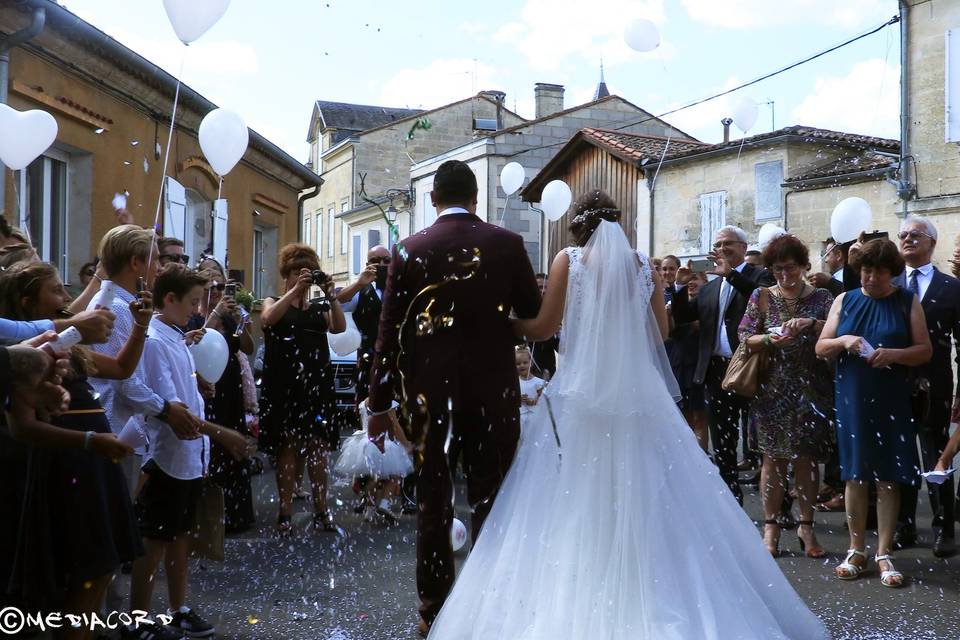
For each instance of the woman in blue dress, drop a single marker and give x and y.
(878, 332)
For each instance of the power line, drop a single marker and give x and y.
(895, 19)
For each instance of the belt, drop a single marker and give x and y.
(77, 412)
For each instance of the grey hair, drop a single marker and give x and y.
(737, 231)
(915, 219)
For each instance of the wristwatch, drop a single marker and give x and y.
(164, 413)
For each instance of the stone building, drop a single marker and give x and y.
(112, 108)
(364, 153)
(533, 144)
(792, 177)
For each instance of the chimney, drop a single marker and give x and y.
(549, 98)
(499, 97)
(726, 122)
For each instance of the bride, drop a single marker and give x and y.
(612, 523)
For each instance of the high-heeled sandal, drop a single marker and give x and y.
(812, 552)
(284, 526)
(775, 550)
(851, 571)
(324, 520)
(890, 578)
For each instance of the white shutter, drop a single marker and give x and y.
(220, 231)
(712, 217)
(175, 211)
(643, 217)
(951, 60)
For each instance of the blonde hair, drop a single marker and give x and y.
(122, 244)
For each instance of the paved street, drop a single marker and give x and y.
(360, 585)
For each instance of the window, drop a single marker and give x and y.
(331, 214)
(44, 208)
(319, 232)
(357, 250)
(306, 229)
(344, 230)
(768, 201)
(257, 263)
(951, 60)
(373, 238)
(713, 213)
(264, 261)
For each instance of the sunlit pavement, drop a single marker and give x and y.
(359, 585)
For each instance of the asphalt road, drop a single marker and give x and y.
(359, 584)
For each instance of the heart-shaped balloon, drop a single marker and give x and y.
(193, 18)
(223, 137)
(24, 135)
(210, 355)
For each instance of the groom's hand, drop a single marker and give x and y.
(377, 428)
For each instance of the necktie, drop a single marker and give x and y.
(725, 291)
(914, 285)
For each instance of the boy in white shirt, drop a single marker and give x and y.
(174, 467)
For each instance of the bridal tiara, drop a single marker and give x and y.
(607, 213)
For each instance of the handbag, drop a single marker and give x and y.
(919, 386)
(745, 367)
(207, 537)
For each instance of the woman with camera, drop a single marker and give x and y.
(297, 401)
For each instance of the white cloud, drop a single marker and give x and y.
(441, 82)
(551, 31)
(866, 100)
(703, 120)
(748, 14)
(221, 57)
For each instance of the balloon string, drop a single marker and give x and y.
(166, 154)
(662, 156)
(23, 222)
(736, 174)
(503, 214)
(220, 188)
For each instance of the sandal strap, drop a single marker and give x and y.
(887, 557)
(854, 552)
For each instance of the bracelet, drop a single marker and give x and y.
(99, 279)
(766, 339)
(216, 313)
(86, 440)
(142, 326)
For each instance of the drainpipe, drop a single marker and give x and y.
(306, 195)
(8, 42)
(905, 190)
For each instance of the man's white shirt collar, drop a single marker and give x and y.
(924, 270)
(452, 210)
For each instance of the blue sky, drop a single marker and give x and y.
(270, 60)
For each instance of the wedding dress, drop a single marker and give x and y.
(612, 523)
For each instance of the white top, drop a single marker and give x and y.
(169, 370)
(452, 210)
(530, 388)
(726, 293)
(123, 399)
(924, 277)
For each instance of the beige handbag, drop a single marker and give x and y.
(745, 368)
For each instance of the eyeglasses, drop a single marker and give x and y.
(174, 257)
(726, 243)
(784, 268)
(378, 261)
(219, 286)
(913, 235)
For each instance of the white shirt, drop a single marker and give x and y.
(123, 399)
(727, 292)
(838, 275)
(924, 278)
(530, 388)
(452, 210)
(170, 371)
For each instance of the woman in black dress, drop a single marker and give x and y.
(224, 400)
(77, 524)
(297, 406)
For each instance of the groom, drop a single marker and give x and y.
(446, 341)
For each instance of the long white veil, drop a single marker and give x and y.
(612, 354)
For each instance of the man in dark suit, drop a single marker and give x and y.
(446, 338)
(544, 354)
(364, 299)
(940, 298)
(719, 306)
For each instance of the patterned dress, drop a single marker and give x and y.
(793, 409)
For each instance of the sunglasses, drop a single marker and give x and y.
(173, 257)
(378, 261)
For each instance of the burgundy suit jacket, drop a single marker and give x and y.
(450, 290)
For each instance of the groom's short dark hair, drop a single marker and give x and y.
(454, 183)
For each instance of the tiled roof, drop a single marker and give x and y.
(359, 117)
(637, 147)
(867, 161)
(807, 134)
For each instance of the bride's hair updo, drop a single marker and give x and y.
(588, 211)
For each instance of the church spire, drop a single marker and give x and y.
(602, 91)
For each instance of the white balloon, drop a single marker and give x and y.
(191, 19)
(555, 199)
(210, 355)
(346, 342)
(223, 137)
(745, 114)
(511, 177)
(458, 535)
(768, 233)
(24, 135)
(642, 35)
(849, 218)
